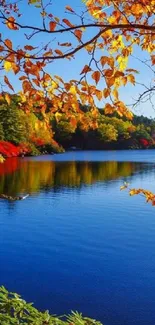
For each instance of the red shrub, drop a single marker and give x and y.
(7, 149)
(38, 142)
(24, 149)
(144, 142)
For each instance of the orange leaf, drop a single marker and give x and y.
(69, 9)
(29, 48)
(131, 78)
(103, 60)
(8, 43)
(98, 94)
(153, 59)
(8, 83)
(11, 58)
(37, 83)
(85, 69)
(110, 81)
(111, 62)
(67, 22)
(108, 73)
(1, 48)
(132, 70)
(118, 74)
(78, 34)
(124, 81)
(11, 23)
(49, 53)
(52, 26)
(96, 76)
(8, 99)
(106, 92)
(46, 77)
(15, 68)
(73, 121)
(108, 109)
(26, 86)
(58, 52)
(59, 78)
(22, 78)
(65, 44)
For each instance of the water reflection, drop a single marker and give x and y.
(29, 176)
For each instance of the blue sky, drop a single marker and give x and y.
(70, 70)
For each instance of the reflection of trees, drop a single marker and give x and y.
(21, 176)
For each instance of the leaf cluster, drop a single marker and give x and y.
(16, 311)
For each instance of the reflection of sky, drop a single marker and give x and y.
(70, 70)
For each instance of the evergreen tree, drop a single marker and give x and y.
(1, 132)
(12, 123)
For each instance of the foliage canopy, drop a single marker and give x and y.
(107, 36)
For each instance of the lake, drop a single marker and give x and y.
(78, 242)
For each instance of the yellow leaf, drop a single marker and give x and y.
(115, 94)
(132, 192)
(122, 62)
(58, 116)
(7, 66)
(36, 126)
(112, 20)
(73, 90)
(117, 44)
(2, 159)
(8, 99)
(123, 187)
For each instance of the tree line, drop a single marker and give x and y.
(32, 132)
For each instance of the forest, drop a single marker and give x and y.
(32, 132)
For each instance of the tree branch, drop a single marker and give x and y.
(91, 25)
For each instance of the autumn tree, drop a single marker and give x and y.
(107, 132)
(107, 30)
(142, 132)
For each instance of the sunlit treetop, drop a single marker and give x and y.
(107, 31)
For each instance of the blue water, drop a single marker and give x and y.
(78, 242)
